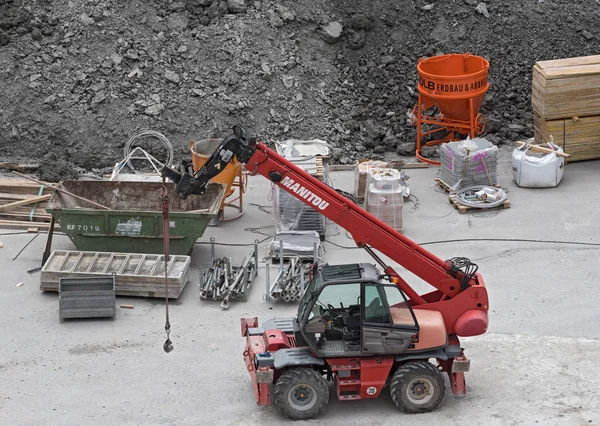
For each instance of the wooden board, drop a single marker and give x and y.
(19, 186)
(444, 186)
(18, 166)
(564, 62)
(580, 138)
(22, 206)
(20, 224)
(566, 88)
(466, 209)
(26, 202)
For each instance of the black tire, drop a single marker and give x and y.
(417, 387)
(301, 393)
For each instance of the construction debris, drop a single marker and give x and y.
(130, 223)
(22, 204)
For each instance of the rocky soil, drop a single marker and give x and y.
(78, 77)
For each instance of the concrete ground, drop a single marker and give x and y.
(537, 365)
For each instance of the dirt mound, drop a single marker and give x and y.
(77, 78)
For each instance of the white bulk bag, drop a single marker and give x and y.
(537, 172)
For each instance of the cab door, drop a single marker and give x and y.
(383, 331)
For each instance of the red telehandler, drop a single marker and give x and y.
(358, 327)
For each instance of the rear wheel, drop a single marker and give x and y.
(301, 393)
(417, 387)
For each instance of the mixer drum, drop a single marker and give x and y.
(448, 82)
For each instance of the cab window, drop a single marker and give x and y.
(400, 313)
(340, 295)
(385, 304)
(376, 308)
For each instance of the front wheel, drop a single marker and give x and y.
(301, 393)
(417, 387)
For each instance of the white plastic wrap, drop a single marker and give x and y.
(296, 243)
(384, 179)
(386, 205)
(291, 214)
(295, 148)
(537, 171)
(467, 163)
(360, 176)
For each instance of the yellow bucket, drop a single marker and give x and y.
(201, 150)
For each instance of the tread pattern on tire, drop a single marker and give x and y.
(301, 375)
(403, 374)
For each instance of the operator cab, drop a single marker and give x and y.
(347, 311)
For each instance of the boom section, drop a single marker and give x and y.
(366, 229)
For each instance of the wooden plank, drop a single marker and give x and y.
(26, 202)
(7, 196)
(19, 167)
(19, 216)
(444, 186)
(562, 89)
(568, 62)
(571, 71)
(19, 186)
(24, 211)
(63, 191)
(579, 138)
(538, 148)
(15, 224)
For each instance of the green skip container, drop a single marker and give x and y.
(134, 223)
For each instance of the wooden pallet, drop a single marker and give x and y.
(466, 209)
(444, 186)
(320, 173)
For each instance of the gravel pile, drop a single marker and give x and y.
(77, 78)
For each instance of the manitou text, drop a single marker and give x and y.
(304, 193)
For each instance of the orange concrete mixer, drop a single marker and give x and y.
(454, 85)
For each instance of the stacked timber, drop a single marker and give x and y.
(566, 105)
(23, 204)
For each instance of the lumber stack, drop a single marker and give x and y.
(23, 204)
(566, 105)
